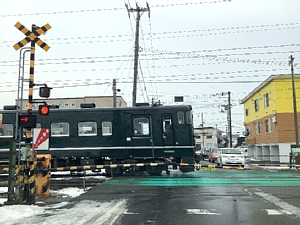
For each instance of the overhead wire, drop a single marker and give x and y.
(108, 9)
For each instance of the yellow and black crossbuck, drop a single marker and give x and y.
(32, 36)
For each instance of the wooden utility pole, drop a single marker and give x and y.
(138, 11)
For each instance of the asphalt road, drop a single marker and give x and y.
(201, 197)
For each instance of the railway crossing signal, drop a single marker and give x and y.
(44, 110)
(27, 121)
(32, 36)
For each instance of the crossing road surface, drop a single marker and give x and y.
(204, 197)
(201, 197)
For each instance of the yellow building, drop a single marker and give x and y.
(269, 118)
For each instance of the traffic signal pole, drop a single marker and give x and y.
(29, 162)
(29, 178)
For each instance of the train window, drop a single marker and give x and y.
(59, 129)
(87, 129)
(106, 128)
(6, 130)
(189, 118)
(141, 126)
(180, 117)
(167, 125)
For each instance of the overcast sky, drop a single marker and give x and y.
(195, 49)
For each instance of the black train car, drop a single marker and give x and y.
(93, 136)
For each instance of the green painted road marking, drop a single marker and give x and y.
(210, 178)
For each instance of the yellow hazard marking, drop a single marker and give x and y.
(126, 165)
(197, 165)
(31, 179)
(60, 168)
(284, 165)
(32, 191)
(140, 164)
(40, 30)
(32, 36)
(253, 164)
(99, 166)
(153, 164)
(113, 165)
(32, 167)
(31, 63)
(24, 30)
(211, 166)
(86, 167)
(73, 167)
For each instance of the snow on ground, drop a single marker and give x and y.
(64, 212)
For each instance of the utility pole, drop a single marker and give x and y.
(229, 120)
(138, 11)
(291, 63)
(229, 126)
(114, 93)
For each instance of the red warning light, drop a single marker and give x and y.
(44, 110)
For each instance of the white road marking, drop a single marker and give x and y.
(130, 213)
(273, 212)
(290, 209)
(201, 212)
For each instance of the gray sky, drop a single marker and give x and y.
(195, 49)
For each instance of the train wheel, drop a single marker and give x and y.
(114, 172)
(154, 170)
(186, 169)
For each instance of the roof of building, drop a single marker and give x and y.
(264, 83)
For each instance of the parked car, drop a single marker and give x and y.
(243, 150)
(201, 154)
(204, 153)
(230, 156)
(213, 154)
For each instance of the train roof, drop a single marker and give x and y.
(135, 108)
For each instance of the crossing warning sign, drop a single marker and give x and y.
(32, 36)
(41, 138)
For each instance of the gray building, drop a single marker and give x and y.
(208, 137)
(99, 101)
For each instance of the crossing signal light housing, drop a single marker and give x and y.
(44, 110)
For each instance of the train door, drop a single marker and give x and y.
(167, 130)
(142, 136)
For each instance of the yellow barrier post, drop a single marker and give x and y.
(43, 175)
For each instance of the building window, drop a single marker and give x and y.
(87, 129)
(257, 126)
(268, 125)
(247, 132)
(59, 129)
(266, 100)
(247, 112)
(208, 136)
(197, 137)
(66, 105)
(106, 128)
(256, 105)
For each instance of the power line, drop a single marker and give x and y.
(82, 40)
(100, 10)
